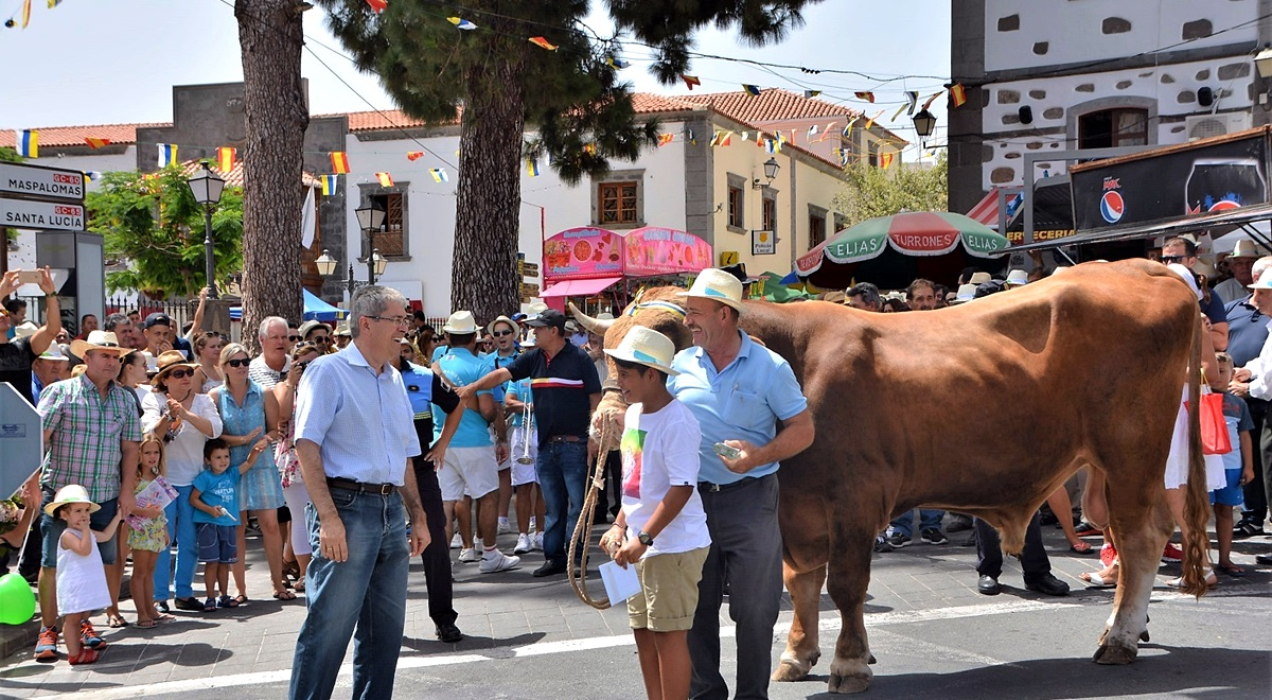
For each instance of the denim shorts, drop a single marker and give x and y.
(217, 543)
(52, 528)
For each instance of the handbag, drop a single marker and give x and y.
(1214, 429)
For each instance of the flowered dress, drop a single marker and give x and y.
(153, 537)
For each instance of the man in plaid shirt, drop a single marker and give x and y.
(92, 431)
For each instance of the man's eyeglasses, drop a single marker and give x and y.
(238, 363)
(396, 320)
(501, 334)
(1171, 259)
(321, 339)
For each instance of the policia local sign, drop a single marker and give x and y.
(36, 197)
(1212, 175)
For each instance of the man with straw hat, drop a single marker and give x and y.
(739, 391)
(92, 432)
(1241, 265)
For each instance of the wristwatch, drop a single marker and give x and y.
(645, 538)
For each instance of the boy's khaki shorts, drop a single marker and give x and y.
(669, 591)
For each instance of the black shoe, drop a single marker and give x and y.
(162, 606)
(882, 546)
(988, 585)
(1048, 585)
(1085, 529)
(1245, 529)
(1264, 559)
(449, 634)
(550, 568)
(898, 540)
(191, 604)
(933, 536)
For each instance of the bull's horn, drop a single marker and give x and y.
(593, 325)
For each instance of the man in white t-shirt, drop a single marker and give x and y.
(662, 528)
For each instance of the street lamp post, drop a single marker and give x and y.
(327, 267)
(207, 188)
(370, 219)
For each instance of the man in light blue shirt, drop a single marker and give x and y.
(355, 437)
(739, 391)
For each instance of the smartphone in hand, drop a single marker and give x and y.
(726, 451)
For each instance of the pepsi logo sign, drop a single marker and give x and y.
(1112, 207)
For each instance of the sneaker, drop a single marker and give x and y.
(46, 647)
(882, 546)
(1245, 529)
(1172, 554)
(933, 536)
(504, 526)
(162, 606)
(538, 542)
(523, 544)
(89, 636)
(898, 540)
(468, 556)
(494, 561)
(456, 542)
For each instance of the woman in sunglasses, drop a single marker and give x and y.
(177, 413)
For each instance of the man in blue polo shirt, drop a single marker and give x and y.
(739, 391)
(1247, 333)
(566, 392)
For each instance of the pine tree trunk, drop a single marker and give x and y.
(484, 276)
(274, 104)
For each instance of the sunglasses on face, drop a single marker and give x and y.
(500, 334)
(1169, 259)
(295, 338)
(180, 373)
(238, 363)
(322, 339)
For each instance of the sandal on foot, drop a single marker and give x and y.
(1080, 548)
(1098, 581)
(86, 656)
(1233, 571)
(284, 594)
(226, 602)
(209, 605)
(164, 617)
(117, 621)
(241, 599)
(1211, 580)
(147, 624)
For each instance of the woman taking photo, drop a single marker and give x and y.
(249, 412)
(184, 419)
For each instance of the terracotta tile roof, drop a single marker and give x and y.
(644, 102)
(55, 136)
(234, 178)
(772, 104)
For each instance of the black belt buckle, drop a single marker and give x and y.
(708, 487)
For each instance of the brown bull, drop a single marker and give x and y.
(1084, 369)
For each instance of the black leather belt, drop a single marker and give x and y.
(716, 488)
(565, 438)
(360, 487)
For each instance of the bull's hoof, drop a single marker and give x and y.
(1115, 655)
(873, 660)
(848, 685)
(790, 672)
(1144, 636)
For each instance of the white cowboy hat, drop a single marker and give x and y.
(98, 340)
(54, 353)
(461, 323)
(979, 278)
(966, 293)
(72, 493)
(648, 347)
(512, 325)
(717, 285)
(1244, 249)
(25, 329)
(1017, 278)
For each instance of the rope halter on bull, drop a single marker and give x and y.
(583, 528)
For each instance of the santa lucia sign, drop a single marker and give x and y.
(36, 197)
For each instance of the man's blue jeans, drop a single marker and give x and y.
(562, 472)
(366, 592)
(180, 530)
(929, 519)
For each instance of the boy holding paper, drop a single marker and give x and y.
(662, 528)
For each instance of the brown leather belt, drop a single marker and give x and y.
(565, 438)
(360, 487)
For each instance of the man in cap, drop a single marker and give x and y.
(566, 392)
(752, 415)
(157, 329)
(18, 355)
(1248, 333)
(92, 431)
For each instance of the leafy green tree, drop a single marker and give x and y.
(872, 191)
(8, 155)
(152, 223)
(572, 97)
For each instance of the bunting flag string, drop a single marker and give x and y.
(810, 94)
(958, 94)
(532, 165)
(167, 154)
(96, 143)
(751, 89)
(386, 180)
(378, 6)
(870, 122)
(932, 98)
(225, 157)
(28, 143)
(26, 13)
(691, 81)
(897, 114)
(92, 175)
(812, 131)
(848, 129)
(414, 155)
(340, 162)
(885, 159)
(439, 175)
(664, 139)
(617, 63)
(54, 3)
(865, 95)
(722, 138)
(542, 43)
(911, 101)
(328, 184)
(825, 134)
(461, 23)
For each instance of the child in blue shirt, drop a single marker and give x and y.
(1238, 466)
(215, 499)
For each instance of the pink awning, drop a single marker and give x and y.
(582, 288)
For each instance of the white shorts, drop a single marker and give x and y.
(523, 473)
(507, 463)
(468, 471)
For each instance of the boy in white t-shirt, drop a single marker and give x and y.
(662, 528)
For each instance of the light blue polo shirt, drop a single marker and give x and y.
(742, 402)
(496, 361)
(520, 391)
(462, 367)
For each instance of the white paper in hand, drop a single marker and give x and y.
(620, 583)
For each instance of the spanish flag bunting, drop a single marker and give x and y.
(329, 184)
(958, 94)
(167, 154)
(664, 139)
(932, 98)
(378, 5)
(865, 95)
(439, 174)
(810, 94)
(543, 43)
(414, 155)
(95, 143)
(897, 113)
(870, 122)
(462, 23)
(340, 162)
(225, 157)
(751, 89)
(386, 180)
(589, 148)
(727, 140)
(617, 63)
(26, 17)
(885, 159)
(532, 167)
(691, 81)
(690, 137)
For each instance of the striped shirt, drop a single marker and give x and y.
(563, 386)
(88, 434)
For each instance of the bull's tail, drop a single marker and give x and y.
(1197, 505)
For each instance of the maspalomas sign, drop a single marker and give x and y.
(35, 197)
(1175, 182)
(43, 183)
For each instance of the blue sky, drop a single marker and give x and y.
(100, 62)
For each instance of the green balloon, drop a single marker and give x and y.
(17, 603)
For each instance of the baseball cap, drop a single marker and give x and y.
(157, 319)
(550, 318)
